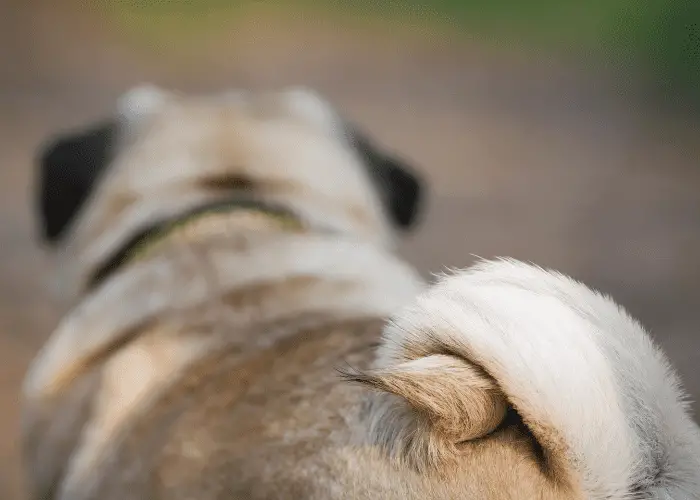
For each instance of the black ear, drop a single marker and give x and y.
(400, 187)
(69, 168)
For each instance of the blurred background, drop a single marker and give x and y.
(562, 132)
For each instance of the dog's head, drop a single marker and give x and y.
(161, 153)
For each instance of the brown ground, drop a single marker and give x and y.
(526, 158)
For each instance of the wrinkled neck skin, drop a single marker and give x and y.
(105, 227)
(180, 276)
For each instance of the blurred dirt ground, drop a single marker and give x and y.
(525, 158)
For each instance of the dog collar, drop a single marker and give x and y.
(209, 218)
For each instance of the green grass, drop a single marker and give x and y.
(661, 35)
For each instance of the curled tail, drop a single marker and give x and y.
(597, 395)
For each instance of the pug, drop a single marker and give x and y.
(242, 327)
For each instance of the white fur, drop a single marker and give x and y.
(572, 360)
(309, 104)
(140, 101)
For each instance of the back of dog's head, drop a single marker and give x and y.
(161, 153)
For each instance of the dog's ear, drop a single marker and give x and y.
(69, 169)
(400, 186)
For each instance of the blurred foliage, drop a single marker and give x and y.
(659, 35)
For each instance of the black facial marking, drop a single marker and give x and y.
(69, 168)
(399, 186)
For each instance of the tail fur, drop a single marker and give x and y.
(585, 378)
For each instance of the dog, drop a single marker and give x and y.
(243, 327)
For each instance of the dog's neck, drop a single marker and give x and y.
(219, 217)
(250, 246)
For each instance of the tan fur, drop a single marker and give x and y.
(167, 154)
(447, 402)
(209, 367)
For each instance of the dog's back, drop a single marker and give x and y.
(235, 259)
